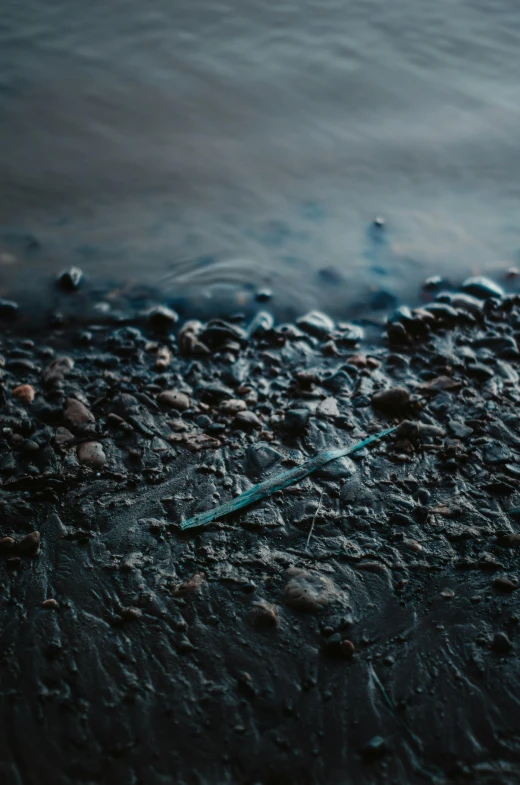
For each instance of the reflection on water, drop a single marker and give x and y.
(208, 147)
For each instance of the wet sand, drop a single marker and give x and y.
(361, 626)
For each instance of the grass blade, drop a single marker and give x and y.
(281, 481)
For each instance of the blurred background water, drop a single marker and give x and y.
(204, 149)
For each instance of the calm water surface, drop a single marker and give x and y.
(208, 148)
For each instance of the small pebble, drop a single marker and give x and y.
(246, 420)
(263, 614)
(6, 545)
(24, 393)
(162, 318)
(70, 279)
(393, 401)
(51, 604)
(77, 414)
(92, 454)
(375, 749)
(174, 400)
(504, 584)
(29, 544)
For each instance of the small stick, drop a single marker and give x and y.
(313, 522)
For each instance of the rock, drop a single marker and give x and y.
(463, 302)
(29, 545)
(375, 749)
(400, 519)
(8, 310)
(163, 358)
(260, 457)
(504, 584)
(480, 371)
(459, 429)
(50, 604)
(260, 324)
(263, 295)
(328, 408)
(309, 591)
(442, 312)
(337, 381)
(92, 454)
(509, 541)
(393, 401)
(188, 339)
(76, 413)
(162, 318)
(24, 393)
(247, 420)
(339, 647)
(6, 545)
(63, 437)
(263, 615)
(219, 333)
(340, 469)
(503, 345)
(130, 613)
(482, 288)
(57, 370)
(316, 323)
(495, 452)
(501, 643)
(70, 279)
(232, 406)
(434, 282)
(174, 399)
(296, 420)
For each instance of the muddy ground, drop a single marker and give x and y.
(361, 627)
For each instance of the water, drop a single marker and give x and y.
(208, 148)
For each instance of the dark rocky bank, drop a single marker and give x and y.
(361, 627)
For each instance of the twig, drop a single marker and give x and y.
(313, 522)
(270, 486)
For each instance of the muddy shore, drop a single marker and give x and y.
(362, 626)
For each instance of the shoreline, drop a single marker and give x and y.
(359, 626)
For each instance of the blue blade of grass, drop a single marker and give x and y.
(283, 480)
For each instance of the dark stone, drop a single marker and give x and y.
(261, 323)
(482, 288)
(463, 302)
(337, 381)
(442, 311)
(316, 323)
(504, 584)
(400, 519)
(70, 279)
(375, 749)
(392, 401)
(162, 318)
(29, 545)
(261, 456)
(8, 310)
(434, 282)
(495, 452)
(218, 333)
(296, 420)
(263, 295)
(503, 345)
(480, 371)
(338, 647)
